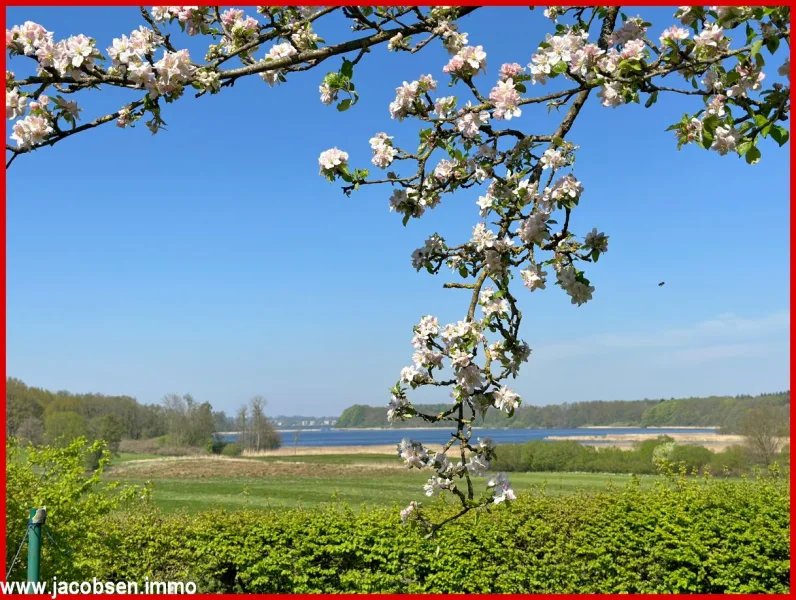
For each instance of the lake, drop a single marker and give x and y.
(378, 437)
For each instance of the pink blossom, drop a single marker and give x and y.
(332, 159)
(510, 70)
(31, 131)
(534, 277)
(469, 123)
(751, 79)
(716, 106)
(383, 151)
(611, 94)
(585, 59)
(630, 30)
(69, 107)
(712, 38)
(725, 140)
(26, 38)
(15, 104)
(674, 33)
(506, 99)
(633, 49)
(467, 62)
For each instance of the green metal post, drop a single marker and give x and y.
(35, 531)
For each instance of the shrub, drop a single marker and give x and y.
(215, 446)
(568, 456)
(681, 536)
(56, 477)
(154, 446)
(692, 457)
(232, 449)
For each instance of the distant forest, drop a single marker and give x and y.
(41, 416)
(725, 412)
(38, 415)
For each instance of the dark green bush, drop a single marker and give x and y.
(232, 449)
(686, 536)
(692, 457)
(571, 456)
(215, 446)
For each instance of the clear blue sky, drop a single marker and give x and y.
(212, 259)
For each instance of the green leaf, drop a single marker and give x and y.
(651, 100)
(520, 88)
(463, 271)
(750, 33)
(710, 124)
(744, 147)
(760, 120)
(560, 67)
(753, 156)
(348, 69)
(772, 44)
(344, 105)
(707, 138)
(780, 135)
(755, 49)
(732, 77)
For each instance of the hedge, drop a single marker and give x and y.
(680, 536)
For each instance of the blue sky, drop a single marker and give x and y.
(212, 259)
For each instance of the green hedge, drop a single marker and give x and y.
(571, 456)
(681, 536)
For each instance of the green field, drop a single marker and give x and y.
(379, 480)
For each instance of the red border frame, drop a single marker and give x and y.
(311, 2)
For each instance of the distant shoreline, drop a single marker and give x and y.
(714, 427)
(650, 427)
(634, 427)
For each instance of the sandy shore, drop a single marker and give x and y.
(401, 428)
(687, 427)
(316, 450)
(712, 441)
(636, 427)
(683, 438)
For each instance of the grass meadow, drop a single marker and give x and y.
(196, 484)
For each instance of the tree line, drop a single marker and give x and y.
(38, 416)
(725, 412)
(571, 456)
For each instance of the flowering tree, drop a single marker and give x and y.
(530, 189)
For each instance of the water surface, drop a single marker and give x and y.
(379, 437)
